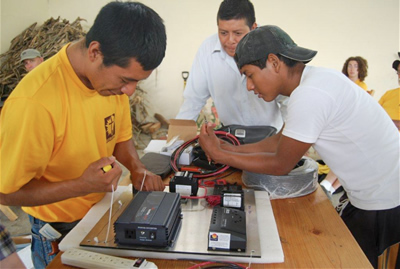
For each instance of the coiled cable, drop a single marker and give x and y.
(202, 173)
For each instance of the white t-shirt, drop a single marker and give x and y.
(351, 132)
(215, 74)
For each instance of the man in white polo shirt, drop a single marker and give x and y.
(214, 74)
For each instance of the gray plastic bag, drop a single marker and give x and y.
(300, 181)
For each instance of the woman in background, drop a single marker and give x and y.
(356, 69)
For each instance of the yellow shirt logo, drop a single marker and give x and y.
(109, 124)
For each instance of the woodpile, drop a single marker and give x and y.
(48, 38)
(140, 114)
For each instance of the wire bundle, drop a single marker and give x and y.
(201, 174)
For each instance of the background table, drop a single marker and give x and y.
(311, 232)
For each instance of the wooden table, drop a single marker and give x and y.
(311, 232)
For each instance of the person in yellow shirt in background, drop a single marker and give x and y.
(390, 101)
(356, 69)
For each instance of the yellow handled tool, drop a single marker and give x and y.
(106, 168)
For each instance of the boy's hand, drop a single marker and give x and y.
(208, 141)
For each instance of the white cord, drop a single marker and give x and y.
(144, 177)
(109, 216)
(251, 256)
(111, 204)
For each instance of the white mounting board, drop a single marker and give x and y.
(271, 248)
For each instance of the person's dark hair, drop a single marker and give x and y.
(127, 30)
(262, 63)
(236, 10)
(395, 64)
(362, 67)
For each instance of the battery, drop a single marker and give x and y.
(184, 183)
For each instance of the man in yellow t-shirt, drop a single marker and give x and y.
(70, 117)
(390, 101)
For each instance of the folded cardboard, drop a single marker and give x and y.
(161, 147)
(185, 129)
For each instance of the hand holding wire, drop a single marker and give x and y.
(145, 180)
(206, 124)
(209, 141)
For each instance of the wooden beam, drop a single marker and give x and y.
(8, 212)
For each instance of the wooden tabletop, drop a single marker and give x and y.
(311, 232)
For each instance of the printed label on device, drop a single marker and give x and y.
(184, 190)
(219, 240)
(232, 200)
(49, 232)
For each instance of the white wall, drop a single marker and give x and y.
(337, 29)
(18, 15)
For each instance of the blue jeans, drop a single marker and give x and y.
(41, 247)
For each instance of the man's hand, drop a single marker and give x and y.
(41, 192)
(144, 180)
(126, 154)
(99, 177)
(209, 142)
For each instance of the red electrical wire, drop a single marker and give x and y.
(176, 155)
(197, 197)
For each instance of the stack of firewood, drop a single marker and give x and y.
(155, 129)
(152, 127)
(48, 38)
(139, 115)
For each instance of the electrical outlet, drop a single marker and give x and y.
(88, 259)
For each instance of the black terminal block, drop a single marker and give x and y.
(232, 195)
(184, 183)
(227, 230)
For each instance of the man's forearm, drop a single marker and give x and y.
(126, 154)
(289, 151)
(257, 162)
(268, 144)
(397, 123)
(41, 192)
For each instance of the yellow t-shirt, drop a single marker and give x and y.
(53, 126)
(362, 84)
(390, 101)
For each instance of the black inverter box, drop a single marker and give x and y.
(151, 219)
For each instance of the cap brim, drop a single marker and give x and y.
(299, 54)
(26, 58)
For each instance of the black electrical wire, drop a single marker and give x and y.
(178, 152)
